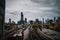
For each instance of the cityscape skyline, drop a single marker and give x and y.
(29, 19)
(31, 9)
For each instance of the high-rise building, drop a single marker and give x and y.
(22, 16)
(9, 20)
(37, 21)
(25, 20)
(21, 21)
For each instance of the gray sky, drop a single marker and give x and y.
(32, 9)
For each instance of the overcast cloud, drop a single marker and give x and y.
(32, 9)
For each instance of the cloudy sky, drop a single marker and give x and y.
(32, 9)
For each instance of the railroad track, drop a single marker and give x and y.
(33, 36)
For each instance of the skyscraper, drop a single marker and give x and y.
(21, 21)
(22, 15)
(25, 20)
(9, 20)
